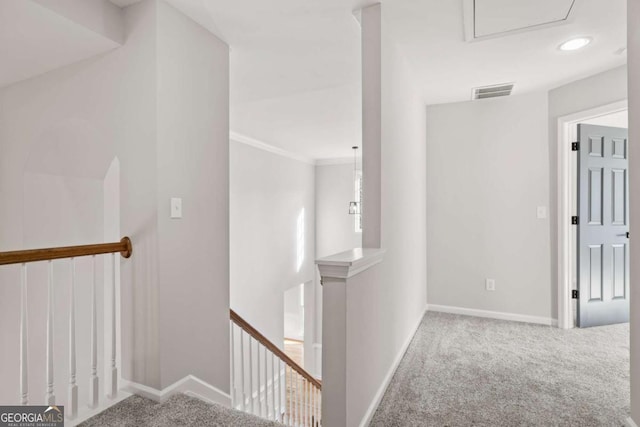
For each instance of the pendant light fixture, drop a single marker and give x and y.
(354, 207)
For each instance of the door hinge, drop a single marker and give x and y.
(575, 294)
(575, 146)
(575, 220)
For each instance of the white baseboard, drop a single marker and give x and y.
(493, 314)
(392, 370)
(105, 403)
(189, 385)
(630, 423)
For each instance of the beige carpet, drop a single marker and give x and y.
(467, 371)
(180, 410)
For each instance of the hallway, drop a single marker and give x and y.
(464, 371)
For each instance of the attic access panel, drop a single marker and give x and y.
(492, 18)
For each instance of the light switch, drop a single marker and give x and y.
(176, 207)
(542, 212)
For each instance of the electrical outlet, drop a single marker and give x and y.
(490, 284)
(541, 212)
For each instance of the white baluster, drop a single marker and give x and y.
(265, 413)
(72, 403)
(244, 394)
(50, 398)
(319, 407)
(305, 389)
(273, 387)
(301, 401)
(315, 407)
(233, 373)
(294, 398)
(258, 345)
(94, 381)
(297, 402)
(308, 412)
(291, 400)
(24, 338)
(280, 416)
(251, 402)
(114, 369)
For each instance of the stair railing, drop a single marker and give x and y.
(268, 383)
(71, 253)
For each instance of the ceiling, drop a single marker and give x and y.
(430, 34)
(296, 70)
(295, 64)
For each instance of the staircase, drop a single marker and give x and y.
(268, 388)
(267, 383)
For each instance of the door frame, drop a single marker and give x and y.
(566, 192)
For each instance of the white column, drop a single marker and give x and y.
(50, 398)
(24, 340)
(334, 351)
(371, 125)
(72, 401)
(336, 271)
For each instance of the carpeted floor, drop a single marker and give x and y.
(468, 371)
(179, 410)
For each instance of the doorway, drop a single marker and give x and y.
(612, 115)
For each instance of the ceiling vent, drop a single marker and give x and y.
(494, 91)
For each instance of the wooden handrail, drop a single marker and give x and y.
(235, 318)
(33, 255)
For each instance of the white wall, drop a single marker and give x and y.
(169, 130)
(488, 171)
(386, 302)
(269, 253)
(294, 313)
(633, 44)
(335, 228)
(193, 164)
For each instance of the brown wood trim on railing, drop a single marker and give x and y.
(33, 255)
(273, 348)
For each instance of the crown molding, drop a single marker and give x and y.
(336, 161)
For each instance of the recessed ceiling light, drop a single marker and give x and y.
(575, 44)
